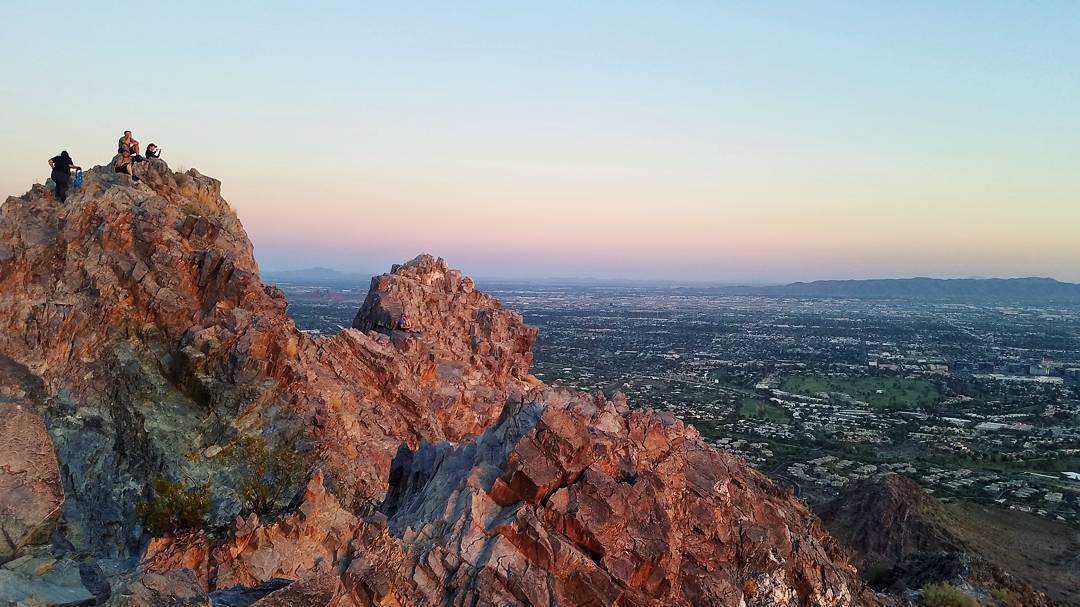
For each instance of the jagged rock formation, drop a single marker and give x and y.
(581, 501)
(141, 311)
(136, 331)
(903, 538)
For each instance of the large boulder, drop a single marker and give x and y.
(174, 588)
(38, 579)
(31, 496)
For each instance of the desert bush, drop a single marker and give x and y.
(946, 595)
(878, 574)
(172, 506)
(1007, 597)
(270, 474)
(749, 588)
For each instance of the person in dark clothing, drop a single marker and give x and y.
(153, 151)
(61, 173)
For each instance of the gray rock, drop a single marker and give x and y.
(39, 579)
(176, 588)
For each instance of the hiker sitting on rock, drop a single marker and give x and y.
(130, 145)
(124, 164)
(403, 324)
(152, 150)
(61, 173)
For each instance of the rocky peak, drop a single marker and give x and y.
(140, 338)
(466, 327)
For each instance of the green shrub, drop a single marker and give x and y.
(269, 474)
(878, 574)
(946, 595)
(172, 506)
(1007, 597)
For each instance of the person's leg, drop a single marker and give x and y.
(61, 189)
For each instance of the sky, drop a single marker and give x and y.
(733, 142)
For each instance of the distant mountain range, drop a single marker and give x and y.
(317, 275)
(923, 288)
(948, 289)
(1019, 289)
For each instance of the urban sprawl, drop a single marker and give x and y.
(977, 403)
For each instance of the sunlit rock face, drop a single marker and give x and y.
(141, 345)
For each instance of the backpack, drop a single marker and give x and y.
(78, 179)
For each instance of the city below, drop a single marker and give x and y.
(978, 401)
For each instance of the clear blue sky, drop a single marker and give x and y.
(755, 141)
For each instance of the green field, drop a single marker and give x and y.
(753, 408)
(895, 392)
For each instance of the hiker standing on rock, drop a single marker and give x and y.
(61, 173)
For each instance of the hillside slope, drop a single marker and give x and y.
(903, 538)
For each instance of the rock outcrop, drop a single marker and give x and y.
(574, 499)
(472, 346)
(442, 471)
(30, 491)
(140, 310)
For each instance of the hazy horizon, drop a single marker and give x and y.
(368, 272)
(770, 144)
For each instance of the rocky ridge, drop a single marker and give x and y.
(138, 334)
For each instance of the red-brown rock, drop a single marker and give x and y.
(598, 504)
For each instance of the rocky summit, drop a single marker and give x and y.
(168, 437)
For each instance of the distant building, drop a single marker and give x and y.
(962, 366)
(1017, 368)
(1021, 378)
